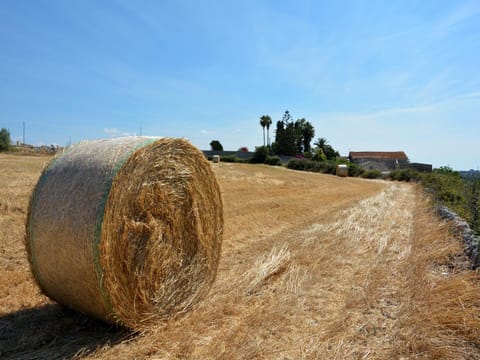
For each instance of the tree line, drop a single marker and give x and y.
(294, 137)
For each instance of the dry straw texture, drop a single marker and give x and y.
(127, 229)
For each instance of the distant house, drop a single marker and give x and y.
(383, 161)
(386, 161)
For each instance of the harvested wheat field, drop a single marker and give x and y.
(312, 267)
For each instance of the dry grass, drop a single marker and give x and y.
(312, 266)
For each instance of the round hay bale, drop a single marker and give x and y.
(128, 230)
(216, 159)
(342, 170)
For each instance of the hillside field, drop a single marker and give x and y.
(313, 267)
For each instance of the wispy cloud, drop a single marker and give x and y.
(207, 132)
(460, 14)
(114, 132)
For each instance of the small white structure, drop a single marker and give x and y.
(216, 158)
(342, 170)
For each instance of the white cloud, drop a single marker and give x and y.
(207, 132)
(114, 132)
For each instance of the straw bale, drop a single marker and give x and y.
(342, 170)
(128, 230)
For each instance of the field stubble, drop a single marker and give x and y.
(313, 266)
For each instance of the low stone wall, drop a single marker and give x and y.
(463, 230)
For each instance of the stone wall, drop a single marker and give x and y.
(461, 228)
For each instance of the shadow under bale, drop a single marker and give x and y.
(55, 332)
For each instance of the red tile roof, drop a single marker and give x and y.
(395, 155)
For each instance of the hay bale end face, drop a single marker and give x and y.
(342, 170)
(128, 230)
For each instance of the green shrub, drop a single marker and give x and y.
(449, 189)
(301, 164)
(297, 164)
(372, 174)
(273, 160)
(354, 170)
(329, 167)
(4, 140)
(319, 155)
(405, 175)
(231, 159)
(260, 155)
(325, 167)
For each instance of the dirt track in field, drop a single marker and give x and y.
(313, 266)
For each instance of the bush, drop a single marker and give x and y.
(329, 167)
(231, 159)
(273, 160)
(354, 170)
(372, 174)
(4, 140)
(301, 164)
(319, 155)
(405, 175)
(260, 155)
(296, 164)
(449, 189)
(325, 167)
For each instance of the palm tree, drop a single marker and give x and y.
(321, 142)
(328, 150)
(268, 122)
(264, 120)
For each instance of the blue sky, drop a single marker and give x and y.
(369, 75)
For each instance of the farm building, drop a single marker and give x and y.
(386, 161)
(383, 161)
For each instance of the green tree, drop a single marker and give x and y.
(4, 140)
(285, 135)
(304, 133)
(215, 145)
(308, 133)
(299, 125)
(293, 137)
(280, 138)
(290, 137)
(265, 122)
(328, 150)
